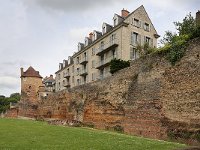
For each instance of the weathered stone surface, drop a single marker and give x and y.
(12, 113)
(151, 98)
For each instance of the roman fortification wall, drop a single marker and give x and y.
(151, 98)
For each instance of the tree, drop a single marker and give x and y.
(5, 101)
(188, 25)
(175, 44)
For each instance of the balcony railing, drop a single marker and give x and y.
(84, 72)
(84, 60)
(107, 47)
(67, 75)
(104, 63)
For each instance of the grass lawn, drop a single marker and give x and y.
(25, 135)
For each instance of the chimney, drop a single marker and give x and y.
(125, 13)
(90, 36)
(22, 71)
(198, 18)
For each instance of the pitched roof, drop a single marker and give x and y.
(30, 72)
(49, 79)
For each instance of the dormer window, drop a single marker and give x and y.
(60, 66)
(80, 46)
(115, 21)
(104, 30)
(106, 27)
(86, 41)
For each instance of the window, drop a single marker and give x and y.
(85, 80)
(86, 41)
(93, 51)
(114, 53)
(135, 38)
(104, 30)
(134, 54)
(58, 76)
(102, 45)
(72, 69)
(68, 71)
(77, 60)
(78, 71)
(93, 77)
(59, 86)
(85, 56)
(136, 22)
(60, 66)
(78, 82)
(73, 79)
(112, 38)
(146, 27)
(93, 64)
(115, 21)
(149, 41)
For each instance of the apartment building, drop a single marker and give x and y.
(91, 61)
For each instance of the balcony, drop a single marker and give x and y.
(104, 63)
(84, 61)
(67, 85)
(84, 72)
(107, 47)
(66, 75)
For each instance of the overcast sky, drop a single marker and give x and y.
(42, 33)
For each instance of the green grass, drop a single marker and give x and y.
(25, 135)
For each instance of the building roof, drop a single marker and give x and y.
(49, 79)
(31, 72)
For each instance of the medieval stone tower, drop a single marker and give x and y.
(31, 80)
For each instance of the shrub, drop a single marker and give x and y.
(118, 64)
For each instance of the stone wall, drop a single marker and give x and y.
(29, 96)
(151, 98)
(12, 113)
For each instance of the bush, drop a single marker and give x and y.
(118, 64)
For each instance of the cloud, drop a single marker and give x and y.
(9, 82)
(9, 85)
(75, 5)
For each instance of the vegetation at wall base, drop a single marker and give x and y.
(118, 64)
(25, 134)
